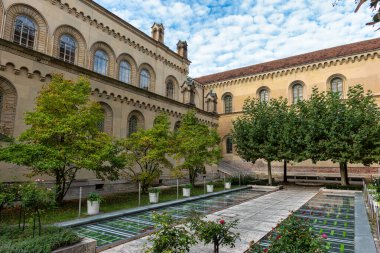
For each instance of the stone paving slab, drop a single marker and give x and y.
(256, 218)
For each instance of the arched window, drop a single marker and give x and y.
(264, 95)
(170, 89)
(144, 79)
(101, 124)
(297, 91)
(132, 125)
(101, 62)
(227, 103)
(125, 72)
(24, 32)
(229, 146)
(337, 86)
(67, 47)
(177, 125)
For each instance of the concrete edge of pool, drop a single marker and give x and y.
(104, 216)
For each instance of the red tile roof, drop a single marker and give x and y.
(320, 55)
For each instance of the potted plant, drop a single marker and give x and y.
(187, 190)
(93, 203)
(210, 186)
(154, 193)
(227, 184)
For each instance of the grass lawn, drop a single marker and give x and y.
(112, 202)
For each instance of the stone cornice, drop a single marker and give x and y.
(296, 69)
(108, 81)
(118, 35)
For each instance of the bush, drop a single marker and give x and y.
(188, 186)
(12, 240)
(94, 197)
(154, 190)
(293, 235)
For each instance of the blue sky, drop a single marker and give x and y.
(223, 34)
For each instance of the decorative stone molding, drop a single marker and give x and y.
(42, 26)
(111, 57)
(7, 107)
(80, 54)
(118, 36)
(298, 69)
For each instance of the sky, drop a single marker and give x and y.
(224, 35)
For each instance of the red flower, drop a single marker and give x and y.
(324, 236)
(278, 237)
(222, 222)
(265, 250)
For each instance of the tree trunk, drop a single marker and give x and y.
(192, 172)
(59, 187)
(285, 180)
(270, 173)
(344, 173)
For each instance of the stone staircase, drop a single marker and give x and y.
(235, 168)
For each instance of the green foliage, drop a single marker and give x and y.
(188, 186)
(154, 190)
(64, 137)
(12, 241)
(93, 196)
(210, 183)
(148, 149)
(171, 237)
(293, 235)
(218, 233)
(195, 145)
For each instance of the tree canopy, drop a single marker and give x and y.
(63, 136)
(195, 145)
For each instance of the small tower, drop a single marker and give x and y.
(211, 102)
(182, 48)
(188, 90)
(158, 32)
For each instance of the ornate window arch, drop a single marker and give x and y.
(106, 125)
(227, 102)
(297, 92)
(15, 31)
(147, 77)
(7, 113)
(81, 46)
(263, 94)
(337, 83)
(98, 60)
(136, 121)
(121, 60)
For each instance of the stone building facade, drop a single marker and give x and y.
(135, 76)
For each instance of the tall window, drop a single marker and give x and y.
(229, 146)
(337, 86)
(125, 72)
(170, 89)
(132, 127)
(101, 123)
(144, 79)
(297, 93)
(67, 47)
(24, 32)
(264, 95)
(227, 103)
(101, 62)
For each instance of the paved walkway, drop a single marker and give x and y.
(256, 218)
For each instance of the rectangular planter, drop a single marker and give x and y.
(85, 246)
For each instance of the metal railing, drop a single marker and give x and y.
(372, 207)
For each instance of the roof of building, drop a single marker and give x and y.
(320, 55)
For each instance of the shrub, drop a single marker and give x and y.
(14, 241)
(293, 235)
(93, 196)
(170, 238)
(154, 190)
(188, 186)
(210, 183)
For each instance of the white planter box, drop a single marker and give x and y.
(186, 192)
(92, 207)
(227, 185)
(153, 197)
(210, 188)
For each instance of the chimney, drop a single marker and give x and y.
(182, 48)
(158, 32)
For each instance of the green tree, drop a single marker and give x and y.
(146, 152)
(195, 145)
(64, 137)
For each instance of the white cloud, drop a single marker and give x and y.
(224, 34)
